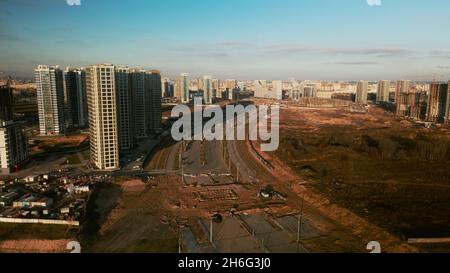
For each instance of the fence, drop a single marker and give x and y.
(38, 221)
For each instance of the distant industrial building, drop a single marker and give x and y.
(50, 94)
(76, 100)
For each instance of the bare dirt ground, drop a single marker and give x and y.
(23, 238)
(34, 246)
(368, 170)
(146, 219)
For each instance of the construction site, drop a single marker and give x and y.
(343, 176)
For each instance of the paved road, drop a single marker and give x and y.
(245, 172)
(214, 163)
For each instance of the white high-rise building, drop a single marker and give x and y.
(383, 91)
(184, 87)
(361, 92)
(207, 90)
(50, 97)
(277, 90)
(102, 107)
(260, 89)
(217, 91)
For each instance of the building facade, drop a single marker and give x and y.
(401, 97)
(137, 83)
(438, 103)
(13, 143)
(76, 100)
(383, 91)
(260, 89)
(50, 95)
(103, 126)
(207, 90)
(184, 87)
(153, 101)
(361, 92)
(124, 107)
(277, 90)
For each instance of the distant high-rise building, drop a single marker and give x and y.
(230, 84)
(260, 89)
(6, 104)
(417, 105)
(146, 89)
(177, 89)
(447, 111)
(13, 147)
(438, 103)
(124, 107)
(401, 98)
(184, 87)
(200, 84)
(383, 91)
(75, 83)
(102, 108)
(153, 101)
(361, 92)
(167, 88)
(13, 144)
(217, 92)
(207, 90)
(277, 89)
(50, 95)
(309, 91)
(140, 123)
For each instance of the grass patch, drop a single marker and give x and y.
(74, 159)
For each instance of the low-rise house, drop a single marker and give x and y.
(42, 202)
(8, 198)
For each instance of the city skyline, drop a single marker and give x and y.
(350, 40)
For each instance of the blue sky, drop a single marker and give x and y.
(242, 39)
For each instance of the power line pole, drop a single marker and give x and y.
(181, 162)
(300, 218)
(211, 231)
(179, 242)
